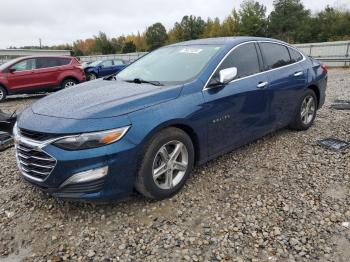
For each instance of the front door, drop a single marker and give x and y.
(239, 111)
(106, 68)
(22, 76)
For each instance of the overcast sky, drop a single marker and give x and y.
(63, 21)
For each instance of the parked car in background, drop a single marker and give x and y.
(37, 74)
(103, 68)
(175, 108)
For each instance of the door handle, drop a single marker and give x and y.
(299, 73)
(262, 85)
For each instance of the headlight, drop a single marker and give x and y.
(91, 140)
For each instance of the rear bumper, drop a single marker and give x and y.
(322, 85)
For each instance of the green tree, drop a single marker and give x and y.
(212, 28)
(332, 24)
(129, 47)
(253, 18)
(231, 25)
(103, 45)
(191, 27)
(288, 19)
(156, 36)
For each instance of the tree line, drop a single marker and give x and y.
(289, 21)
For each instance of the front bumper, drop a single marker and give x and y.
(120, 158)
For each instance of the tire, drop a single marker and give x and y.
(306, 111)
(91, 76)
(3, 94)
(69, 82)
(160, 186)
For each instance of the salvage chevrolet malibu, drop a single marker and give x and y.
(144, 129)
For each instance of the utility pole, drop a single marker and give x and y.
(40, 43)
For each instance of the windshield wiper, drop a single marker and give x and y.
(141, 81)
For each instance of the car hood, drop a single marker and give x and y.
(103, 99)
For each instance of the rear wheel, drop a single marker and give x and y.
(3, 94)
(166, 165)
(67, 83)
(306, 111)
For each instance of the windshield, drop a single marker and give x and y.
(171, 65)
(8, 63)
(96, 63)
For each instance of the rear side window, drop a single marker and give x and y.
(295, 55)
(245, 59)
(274, 55)
(118, 62)
(46, 62)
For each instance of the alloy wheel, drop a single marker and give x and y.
(69, 84)
(170, 165)
(1, 94)
(308, 109)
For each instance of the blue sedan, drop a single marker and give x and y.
(144, 129)
(103, 68)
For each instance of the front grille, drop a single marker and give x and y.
(34, 163)
(38, 136)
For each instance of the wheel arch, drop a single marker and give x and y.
(4, 86)
(185, 127)
(317, 92)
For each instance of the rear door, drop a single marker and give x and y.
(46, 71)
(118, 65)
(22, 77)
(239, 111)
(287, 80)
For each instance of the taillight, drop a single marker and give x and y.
(325, 68)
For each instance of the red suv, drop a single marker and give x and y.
(37, 74)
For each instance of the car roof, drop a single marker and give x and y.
(45, 56)
(227, 41)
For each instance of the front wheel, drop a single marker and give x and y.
(91, 76)
(306, 111)
(166, 165)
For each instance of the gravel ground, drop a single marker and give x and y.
(282, 198)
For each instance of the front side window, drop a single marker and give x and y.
(107, 63)
(275, 55)
(25, 65)
(171, 64)
(245, 59)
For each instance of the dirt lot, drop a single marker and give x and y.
(282, 198)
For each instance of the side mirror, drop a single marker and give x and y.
(12, 70)
(227, 75)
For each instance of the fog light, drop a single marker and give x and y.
(86, 176)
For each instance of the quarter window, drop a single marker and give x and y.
(24, 65)
(295, 55)
(274, 55)
(245, 59)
